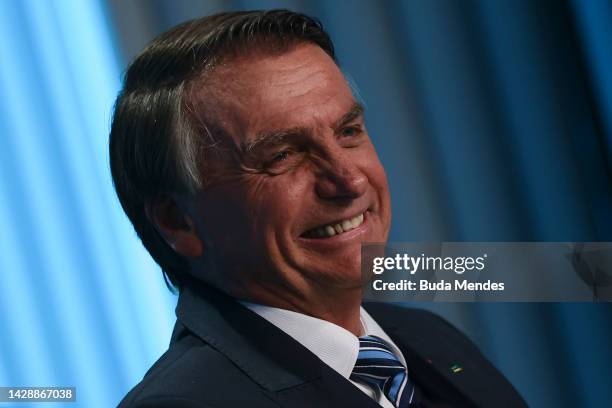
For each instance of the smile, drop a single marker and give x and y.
(329, 230)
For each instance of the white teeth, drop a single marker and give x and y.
(333, 229)
(347, 225)
(357, 221)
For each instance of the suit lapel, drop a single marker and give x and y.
(291, 374)
(329, 391)
(430, 367)
(442, 361)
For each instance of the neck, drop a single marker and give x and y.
(340, 306)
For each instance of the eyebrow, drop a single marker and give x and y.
(355, 112)
(276, 137)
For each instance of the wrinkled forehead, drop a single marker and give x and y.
(244, 96)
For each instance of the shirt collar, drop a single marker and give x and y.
(332, 344)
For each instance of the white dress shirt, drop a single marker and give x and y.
(334, 345)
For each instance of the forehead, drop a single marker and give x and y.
(301, 87)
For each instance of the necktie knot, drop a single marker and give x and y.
(378, 366)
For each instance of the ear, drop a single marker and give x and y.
(175, 226)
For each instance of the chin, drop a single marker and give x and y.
(338, 277)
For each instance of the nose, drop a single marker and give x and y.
(340, 178)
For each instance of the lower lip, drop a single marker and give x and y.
(342, 238)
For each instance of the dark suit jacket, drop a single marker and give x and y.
(224, 355)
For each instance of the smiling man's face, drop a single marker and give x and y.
(295, 185)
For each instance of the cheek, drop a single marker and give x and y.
(378, 180)
(222, 220)
(374, 170)
(254, 208)
(228, 212)
(281, 201)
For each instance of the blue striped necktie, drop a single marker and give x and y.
(379, 367)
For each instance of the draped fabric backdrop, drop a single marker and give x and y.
(493, 119)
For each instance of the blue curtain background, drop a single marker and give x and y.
(493, 119)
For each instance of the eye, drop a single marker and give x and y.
(281, 156)
(279, 159)
(351, 131)
(283, 160)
